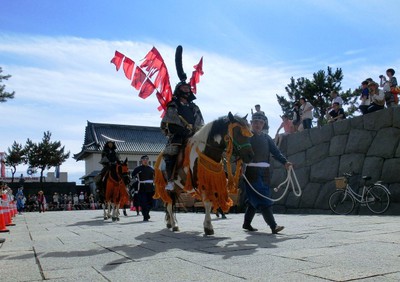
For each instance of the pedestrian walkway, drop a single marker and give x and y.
(80, 246)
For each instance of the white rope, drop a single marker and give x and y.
(288, 182)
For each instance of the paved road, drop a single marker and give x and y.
(80, 246)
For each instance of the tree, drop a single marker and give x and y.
(317, 92)
(3, 94)
(15, 157)
(46, 154)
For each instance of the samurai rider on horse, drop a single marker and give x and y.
(181, 121)
(109, 157)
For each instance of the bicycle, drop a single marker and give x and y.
(375, 196)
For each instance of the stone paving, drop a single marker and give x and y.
(81, 246)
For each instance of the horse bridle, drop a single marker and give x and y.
(231, 144)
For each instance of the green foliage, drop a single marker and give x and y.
(45, 154)
(3, 94)
(14, 157)
(317, 92)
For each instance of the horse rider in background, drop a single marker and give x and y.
(109, 156)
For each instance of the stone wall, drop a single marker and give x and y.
(366, 145)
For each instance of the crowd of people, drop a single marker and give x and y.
(374, 96)
(56, 202)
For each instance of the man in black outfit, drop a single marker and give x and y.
(145, 176)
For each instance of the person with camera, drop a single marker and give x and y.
(389, 87)
(377, 97)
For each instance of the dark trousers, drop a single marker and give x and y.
(41, 206)
(307, 123)
(374, 107)
(364, 109)
(146, 203)
(266, 212)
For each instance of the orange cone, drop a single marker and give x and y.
(15, 208)
(2, 221)
(11, 213)
(5, 213)
(11, 207)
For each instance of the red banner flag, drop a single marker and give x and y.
(138, 78)
(147, 89)
(128, 67)
(117, 60)
(152, 62)
(196, 75)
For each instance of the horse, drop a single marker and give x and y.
(116, 194)
(202, 171)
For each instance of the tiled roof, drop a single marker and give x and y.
(128, 138)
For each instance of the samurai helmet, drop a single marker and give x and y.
(182, 77)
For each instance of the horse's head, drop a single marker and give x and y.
(239, 134)
(123, 171)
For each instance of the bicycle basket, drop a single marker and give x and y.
(340, 182)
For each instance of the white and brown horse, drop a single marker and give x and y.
(116, 192)
(202, 171)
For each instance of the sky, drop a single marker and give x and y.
(58, 54)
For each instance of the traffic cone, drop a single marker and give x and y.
(12, 209)
(2, 221)
(15, 208)
(7, 214)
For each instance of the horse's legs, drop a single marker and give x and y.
(170, 218)
(115, 212)
(208, 228)
(104, 205)
(108, 209)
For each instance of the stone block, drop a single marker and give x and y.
(341, 127)
(394, 190)
(337, 145)
(292, 201)
(323, 134)
(298, 159)
(317, 153)
(359, 141)
(390, 171)
(303, 175)
(397, 154)
(385, 143)
(351, 163)
(377, 120)
(309, 195)
(396, 117)
(356, 122)
(298, 142)
(373, 167)
(322, 201)
(324, 170)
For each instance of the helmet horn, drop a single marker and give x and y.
(178, 63)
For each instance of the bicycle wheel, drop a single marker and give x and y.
(378, 199)
(341, 202)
